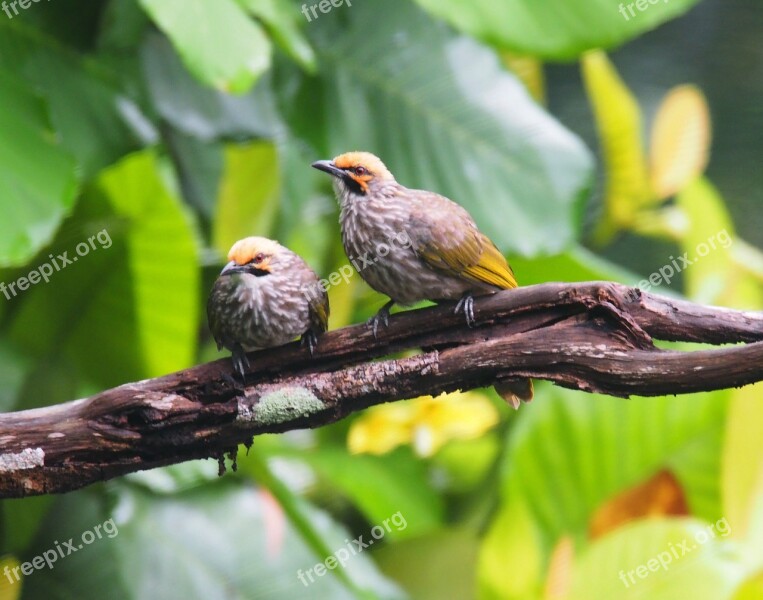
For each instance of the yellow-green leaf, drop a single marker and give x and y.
(512, 546)
(680, 143)
(742, 471)
(710, 274)
(248, 195)
(529, 70)
(218, 43)
(618, 120)
(9, 590)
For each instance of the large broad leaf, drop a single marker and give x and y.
(37, 176)
(573, 452)
(197, 110)
(223, 539)
(248, 195)
(95, 118)
(445, 116)
(661, 559)
(447, 568)
(283, 23)
(577, 264)
(379, 486)
(126, 307)
(556, 29)
(218, 43)
(743, 462)
(511, 545)
(711, 274)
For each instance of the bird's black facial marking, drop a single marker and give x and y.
(257, 272)
(254, 265)
(353, 185)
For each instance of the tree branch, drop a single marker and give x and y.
(594, 336)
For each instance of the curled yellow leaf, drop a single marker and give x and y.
(529, 70)
(680, 143)
(618, 121)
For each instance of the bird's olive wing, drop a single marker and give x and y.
(446, 238)
(318, 305)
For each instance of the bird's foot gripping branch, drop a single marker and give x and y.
(591, 336)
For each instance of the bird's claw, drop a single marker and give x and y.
(381, 317)
(466, 304)
(310, 340)
(240, 363)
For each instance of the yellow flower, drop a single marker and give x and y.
(426, 423)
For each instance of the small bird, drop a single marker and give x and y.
(265, 296)
(446, 256)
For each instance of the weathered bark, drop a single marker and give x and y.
(591, 336)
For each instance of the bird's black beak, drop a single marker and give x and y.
(232, 267)
(329, 167)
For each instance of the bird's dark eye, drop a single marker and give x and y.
(360, 171)
(258, 258)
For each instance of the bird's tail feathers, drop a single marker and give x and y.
(515, 391)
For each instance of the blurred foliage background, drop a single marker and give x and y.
(588, 141)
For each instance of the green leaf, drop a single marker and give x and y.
(248, 196)
(680, 142)
(127, 308)
(618, 121)
(9, 590)
(282, 20)
(555, 29)
(447, 570)
(219, 540)
(577, 264)
(199, 166)
(22, 519)
(514, 541)
(608, 444)
(13, 370)
(713, 276)
(200, 111)
(700, 563)
(752, 589)
(94, 117)
(37, 176)
(88, 570)
(302, 517)
(444, 116)
(218, 43)
(742, 480)
(573, 452)
(380, 486)
(123, 25)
